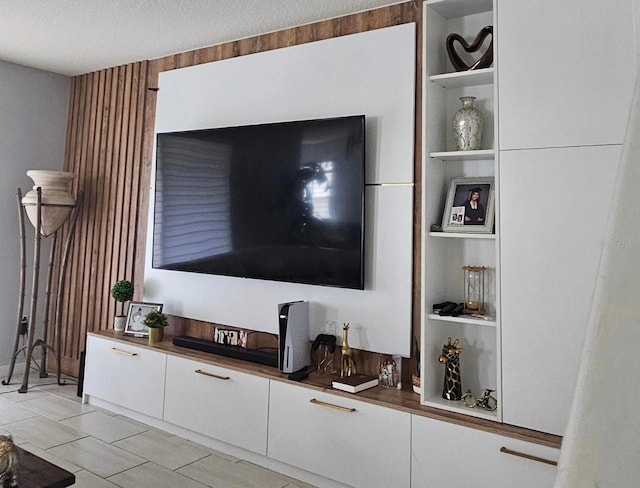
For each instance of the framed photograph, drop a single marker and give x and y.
(137, 312)
(470, 206)
(231, 337)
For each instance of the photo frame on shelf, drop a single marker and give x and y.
(135, 318)
(469, 207)
(230, 337)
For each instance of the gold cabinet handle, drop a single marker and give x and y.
(506, 450)
(211, 375)
(126, 353)
(331, 405)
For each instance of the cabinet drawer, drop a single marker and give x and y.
(129, 376)
(452, 456)
(223, 404)
(353, 442)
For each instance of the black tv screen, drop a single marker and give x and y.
(279, 201)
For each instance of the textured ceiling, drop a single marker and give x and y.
(73, 37)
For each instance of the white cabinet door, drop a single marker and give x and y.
(365, 447)
(220, 403)
(566, 72)
(446, 455)
(554, 205)
(126, 375)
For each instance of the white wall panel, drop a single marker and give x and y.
(371, 73)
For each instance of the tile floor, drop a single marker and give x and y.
(105, 450)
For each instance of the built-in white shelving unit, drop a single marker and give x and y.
(444, 254)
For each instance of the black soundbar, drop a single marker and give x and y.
(251, 355)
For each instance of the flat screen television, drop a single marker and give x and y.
(279, 201)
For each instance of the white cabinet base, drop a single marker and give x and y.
(130, 376)
(354, 442)
(447, 455)
(217, 402)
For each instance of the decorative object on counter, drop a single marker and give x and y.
(485, 61)
(48, 206)
(138, 312)
(450, 357)
(230, 337)
(468, 125)
(390, 371)
(446, 309)
(416, 382)
(486, 401)
(8, 462)
(435, 228)
(348, 366)
(155, 321)
(355, 383)
(474, 290)
(324, 346)
(470, 206)
(122, 291)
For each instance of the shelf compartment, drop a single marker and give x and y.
(460, 79)
(458, 406)
(452, 9)
(463, 320)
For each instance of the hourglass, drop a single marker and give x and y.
(474, 289)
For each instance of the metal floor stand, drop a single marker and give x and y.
(43, 343)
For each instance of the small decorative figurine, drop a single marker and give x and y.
(8, 463)
(450, 357)
(390, 371)
(348, 364)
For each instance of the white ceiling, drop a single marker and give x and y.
(74, 37)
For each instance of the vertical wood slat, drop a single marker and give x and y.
(148, 111)
(110, 146)
(104, 187)
(105, 146)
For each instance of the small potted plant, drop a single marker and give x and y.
(156, 321)
(122, 291)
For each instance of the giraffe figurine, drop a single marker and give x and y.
(450, 357)
(348, 364)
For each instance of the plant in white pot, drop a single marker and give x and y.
(156, 321)
(122, 291)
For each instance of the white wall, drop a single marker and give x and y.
(33, 125)
(371, 73)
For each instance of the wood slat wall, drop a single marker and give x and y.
(106, 149)
(109, 147)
